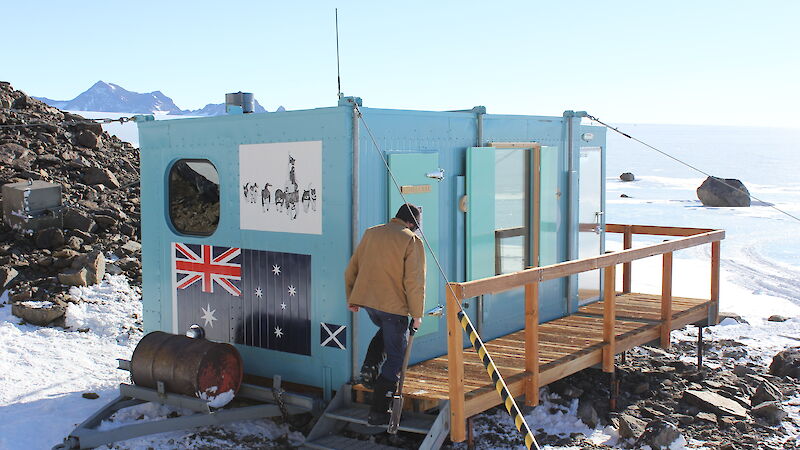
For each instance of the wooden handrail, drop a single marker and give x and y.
(531, 278)
(509, 281)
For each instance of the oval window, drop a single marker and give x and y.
(194, 197)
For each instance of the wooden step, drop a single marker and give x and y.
(334, 442)
(411, 422)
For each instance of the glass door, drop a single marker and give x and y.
(591, 220)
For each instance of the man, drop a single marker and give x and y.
(386, 276)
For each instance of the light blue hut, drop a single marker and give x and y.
(249, 220)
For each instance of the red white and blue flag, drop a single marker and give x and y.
(248, 297)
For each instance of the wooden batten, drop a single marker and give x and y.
(715, 266)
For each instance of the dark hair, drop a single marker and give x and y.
(408, 213)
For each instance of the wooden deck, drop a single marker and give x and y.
(543, 353)
(566, 346)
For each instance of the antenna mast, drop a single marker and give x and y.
(338, 73)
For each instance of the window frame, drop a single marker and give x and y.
(172, 225)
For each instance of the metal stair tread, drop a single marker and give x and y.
(410, 422)
(335, 442)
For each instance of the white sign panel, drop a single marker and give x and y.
(280, 187)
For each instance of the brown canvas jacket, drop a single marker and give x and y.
(387, 270)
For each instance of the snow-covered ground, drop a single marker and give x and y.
(44, 371)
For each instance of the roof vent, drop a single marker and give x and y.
(239, 103)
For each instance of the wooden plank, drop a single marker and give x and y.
(666, 299)
(656, 230)
(505, 282)
(455, 368)
(627, 242)
(609, 336)
(532, 344)
(715, 265)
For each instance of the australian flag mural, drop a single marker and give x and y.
(250, 297)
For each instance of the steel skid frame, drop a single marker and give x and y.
(272, 401)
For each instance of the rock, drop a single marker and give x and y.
(713, 402)
(77, 220)
(729, 315)
(742, 370)
(7, 275)
(95, 265)
(766, 392)
(49, 238)
(786, 363)
(627, 176)
(88, 139)
(105, 221)
(21, 102)
(127, 230)
(113, 269)
(96, 175)
(74, 242)
(641, 388)
(90, 395)
(770, 411)
(659, 434)
(75, 277)
(38, 312)
(777, 318)
(727, 192)
(129, 248)
(630, 427)
(708, 417)
(588, 414)
(624, 196)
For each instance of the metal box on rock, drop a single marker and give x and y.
(29, 206)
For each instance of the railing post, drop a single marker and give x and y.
(609, 318)
(666, 300)
(627, 242)
(715, 263)
(532, 344)
(455, 366)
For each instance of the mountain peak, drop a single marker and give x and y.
(109, 97)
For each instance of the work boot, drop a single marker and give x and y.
(381, 400)
(369, 373)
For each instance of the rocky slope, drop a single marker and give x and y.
(99, 176)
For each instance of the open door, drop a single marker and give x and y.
(591, 220)
(410, 170)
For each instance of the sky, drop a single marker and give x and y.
(675, 62)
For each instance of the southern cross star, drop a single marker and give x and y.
(276, 269)
(283, 305)
(292, 290)
(259, 293)
(278, 332)
(208, 315)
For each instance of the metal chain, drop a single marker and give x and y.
(720, 180)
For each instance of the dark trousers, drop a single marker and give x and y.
(389, 342)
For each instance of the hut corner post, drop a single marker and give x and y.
(532, 344)
(609, 318)
(455, 365)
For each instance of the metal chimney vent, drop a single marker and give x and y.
(239, 102)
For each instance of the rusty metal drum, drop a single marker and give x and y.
(193, 367)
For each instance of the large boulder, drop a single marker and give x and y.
(770, 411)
(627, 176)
(766, 392)
(88, 139)
(786, 363)
(630, 427)
(95, 265)
(7, 275)
(723, 192)
(75, 277)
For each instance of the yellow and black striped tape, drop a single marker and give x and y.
(499, 383)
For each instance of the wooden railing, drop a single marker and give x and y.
(531, 278)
